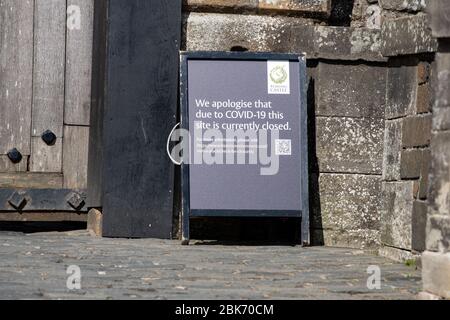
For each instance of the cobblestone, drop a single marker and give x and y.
(34, 266)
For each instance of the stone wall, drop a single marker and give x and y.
(408, 42)
(347, 148)
(347, 100)
(436, 258)
(406, 158)
(370, 83)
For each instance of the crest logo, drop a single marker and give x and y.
(278, 77)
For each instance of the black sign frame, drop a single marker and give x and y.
(303, 214)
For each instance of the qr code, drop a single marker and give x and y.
(283, 147)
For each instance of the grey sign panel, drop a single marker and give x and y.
(246, 116)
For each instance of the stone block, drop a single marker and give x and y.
(292, 7)
(435, 273)
(419, 226)
(373, 16)
(423, 72)
(322, 7)
(221, 6)
(349, 145)
(282, 34)
(337, 43)
(349, 209)
(357, 239)
(440, 18)
(416, 131)
(94, 222)
(358, 12)
(398, 255)
(443, 77)
(396, 214)
(438, 233)
(392, 150)
(407, 35)
(424, 174)
(441, 108)
(222, 32)
(416, 188)
(423, 99)
(411, 163)
(401, 88)
(439, 189)
(352, 90)
(403, 5)
(441, 118)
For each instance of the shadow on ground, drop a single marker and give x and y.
(36, 227)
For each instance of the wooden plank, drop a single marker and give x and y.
(75, 158)
(79, 61)
(43, 216)
(140, 112)
(46, 158)
(95, 168)
(16, 65)
(24, 199)
(48, 75)
(31, 180)
(7, 166)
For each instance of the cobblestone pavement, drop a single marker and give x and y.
(34, 267)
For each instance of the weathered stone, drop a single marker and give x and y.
(355, 43)
(392, 150)
(348, 145)
(283, 34)
(303, 38)
(425, 296)
(419, 226)
(221, 6)
(95, 222)
(373, 17)
(296, 6)
(441, 108)
(424, 174)
(416, 188)
(411, 164)
(403, 5)
(401, 89)
(440, 174)
(416, 131)
(441, 118)
(423, 99)
(438, 233)
(351, 91)
(396, 217)
(34, 267)
(337, 43)
(350, 238)
(407, 35)
(435, 273)
(398, 254)
(349, 207)
(440, 18)
(423, 72)
(222, 32)
(292, 7)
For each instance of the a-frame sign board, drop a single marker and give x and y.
(246, 119)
